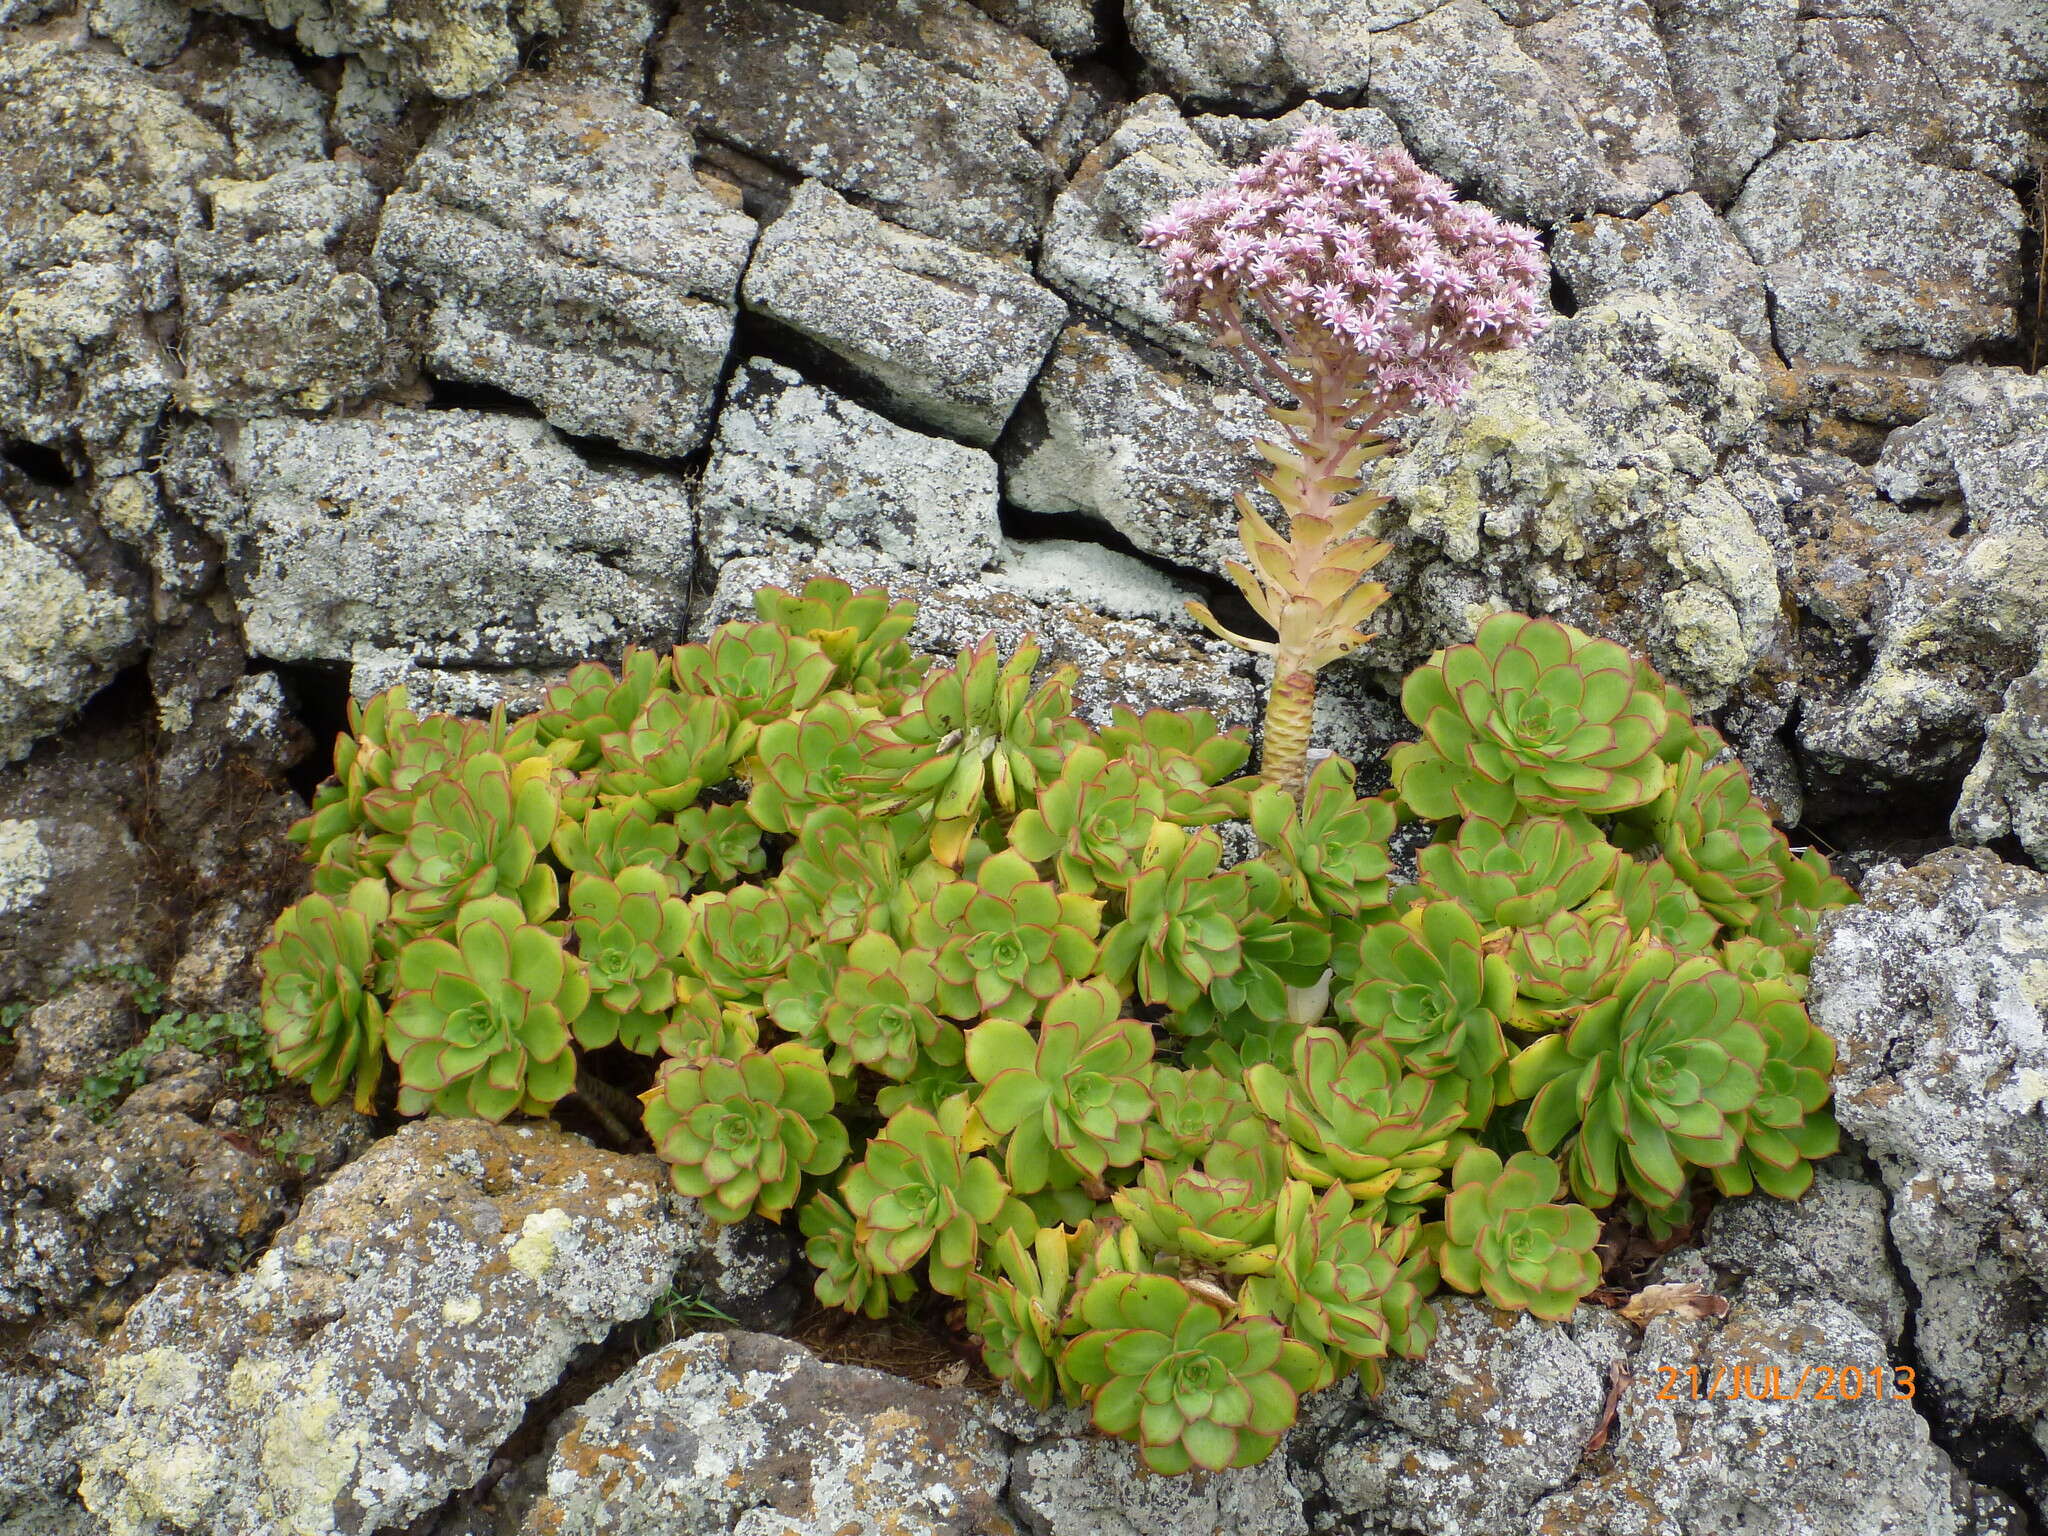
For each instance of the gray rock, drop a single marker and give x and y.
(1473, 105)
(1239, 140)
(1091, 251)
(369, 113)
(385, 1346)
(1727, 60)
(42, 1396)
(99, 158)
(2006, 793)
(271, 318)
(1958, 598)
(1862, 1467)
(1866, 251)
(1681, 252)
(570, 255)
(1087, 1485)
(1984, 440)
(1599, 475)
(98, 174)
(1159, 454)
(795, 462)
(605, 42)
(68, 621)
(929, 114)
(1829, 1242)
(1960, 81)
(449, 48)
(1064, 26)
(1252, 53)
(952, 336)
(97, 1210)
(1854, 75)
(150, 32)
(79, 367)
(1470, 1437)
(1121, 624)
(25, 867)
(1607, 58)
(458, 537)
(743, 1432)
(1933, 992)
(275, 118)
(73, 1034)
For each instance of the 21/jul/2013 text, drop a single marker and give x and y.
(1767, 1383)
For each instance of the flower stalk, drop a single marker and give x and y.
(1357, 287)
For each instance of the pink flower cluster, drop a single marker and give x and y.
(1362, 263)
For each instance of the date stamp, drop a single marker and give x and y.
(1767, 1384)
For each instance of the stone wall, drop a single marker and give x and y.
(453, 341)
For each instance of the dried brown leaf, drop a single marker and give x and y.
(1685, 1299)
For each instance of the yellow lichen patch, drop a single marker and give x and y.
(462, 1310)
(309, 1459)
(533, 1253)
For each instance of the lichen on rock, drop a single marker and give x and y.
(386, 1344)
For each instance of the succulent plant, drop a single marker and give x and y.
(1789, 1127)
(1352, 1116)
(1187, 754)
(1191, 1111)
(1429, 987)
(363, 762)
(739, 1136)
(1718, 838)
(861, 632)
(591, 704)
(739, 941)
(605, 839)
(1344, 1280)
(719, 844)
(1282, 952)
(1661, 908)
(1647, 1081)
(808, 760)
(1020, 1315)
(1504, 1234)
(480, 1024)
(1074, 1094)
(1092, 821)
(1516, 876)
(1174, 1126)
(673, 749)
(762, 671)
(1006, 940)
(1567, 961)
(917, 1193)
(1790, 917)
(1291, 263)
(629, 931)
(320, 984)
(869, 1002)
(1161, 1366)
(974, 734)
(1182, 920)
(476, 830)
(701, 1025)
(1531, 714)
(850, 874)
(1220, 1214)
(846, 1278)
(1332, 847)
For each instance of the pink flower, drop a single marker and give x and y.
(1365, 260)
